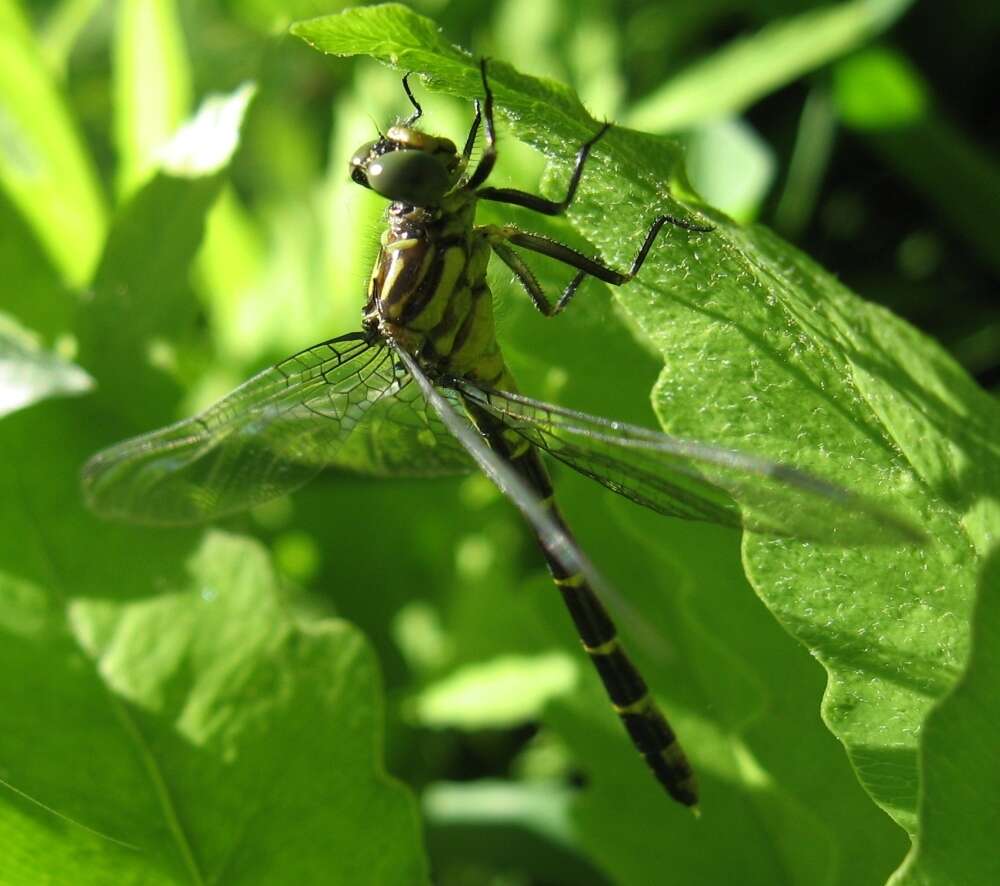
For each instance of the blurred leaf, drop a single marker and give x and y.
(884, 97)
(31, 288)
(961, 780)
(495, 694)
(152, 80)
(810, 159)
(634, 841)
(877, 89)
(206, 143)
(730, 166)
(499, 832)
(200, 734)
(141, 292)
(62, 29)
(749, 68)
(274, 16)
(542, 807)
(43, 164)
(747, 324)
(173, 714)
(29, 374)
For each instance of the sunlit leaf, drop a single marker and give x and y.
(152, 79)
(198, 734)
(141, 294)
(29, 374)
(960, 774)
(495, 694)
(44, 166)
(746, 324)
(751, 67)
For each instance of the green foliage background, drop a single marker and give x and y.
(373, 682)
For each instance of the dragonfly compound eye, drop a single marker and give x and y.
(409, 176)
(360, 160)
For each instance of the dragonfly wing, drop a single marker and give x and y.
(692, 480)
(551, 534)
(403, 437)
(266, 438)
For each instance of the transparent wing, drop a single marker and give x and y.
(268, 437)
(402, 437)
(696, 481)
(551, 532)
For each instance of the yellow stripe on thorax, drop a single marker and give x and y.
(452, 265)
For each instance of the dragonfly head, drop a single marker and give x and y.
(408, 166)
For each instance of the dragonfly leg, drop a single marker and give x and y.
(489, 158)
(540, 204)
(417, 110)
(586, 266)
(470, 140)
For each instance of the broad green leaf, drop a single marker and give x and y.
(199, 734)
(764, 351)
(961, 779)
(141, 297)
(29, 374)
(732, 78)
(152, 80)
(168, 713)
(44, 166)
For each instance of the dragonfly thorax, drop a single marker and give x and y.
(408, 166)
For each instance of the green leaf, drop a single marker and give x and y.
(961, 779)
(29, 374)
(497, 694)
(732, 78)
(764, 351)
(33, 291)
(882, 95)
(141, 296)
(152, 80)
(731, 166)
(877, 89)
(62, 29)
(43, 164)
(174, 718)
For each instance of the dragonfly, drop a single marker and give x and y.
(423, 389)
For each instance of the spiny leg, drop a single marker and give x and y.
(543, 245)
(499, 237)
(417, 110)
(489, 158)
(470, 140)
(540, 204)
(512, 195)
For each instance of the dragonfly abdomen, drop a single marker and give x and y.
(630, 696)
